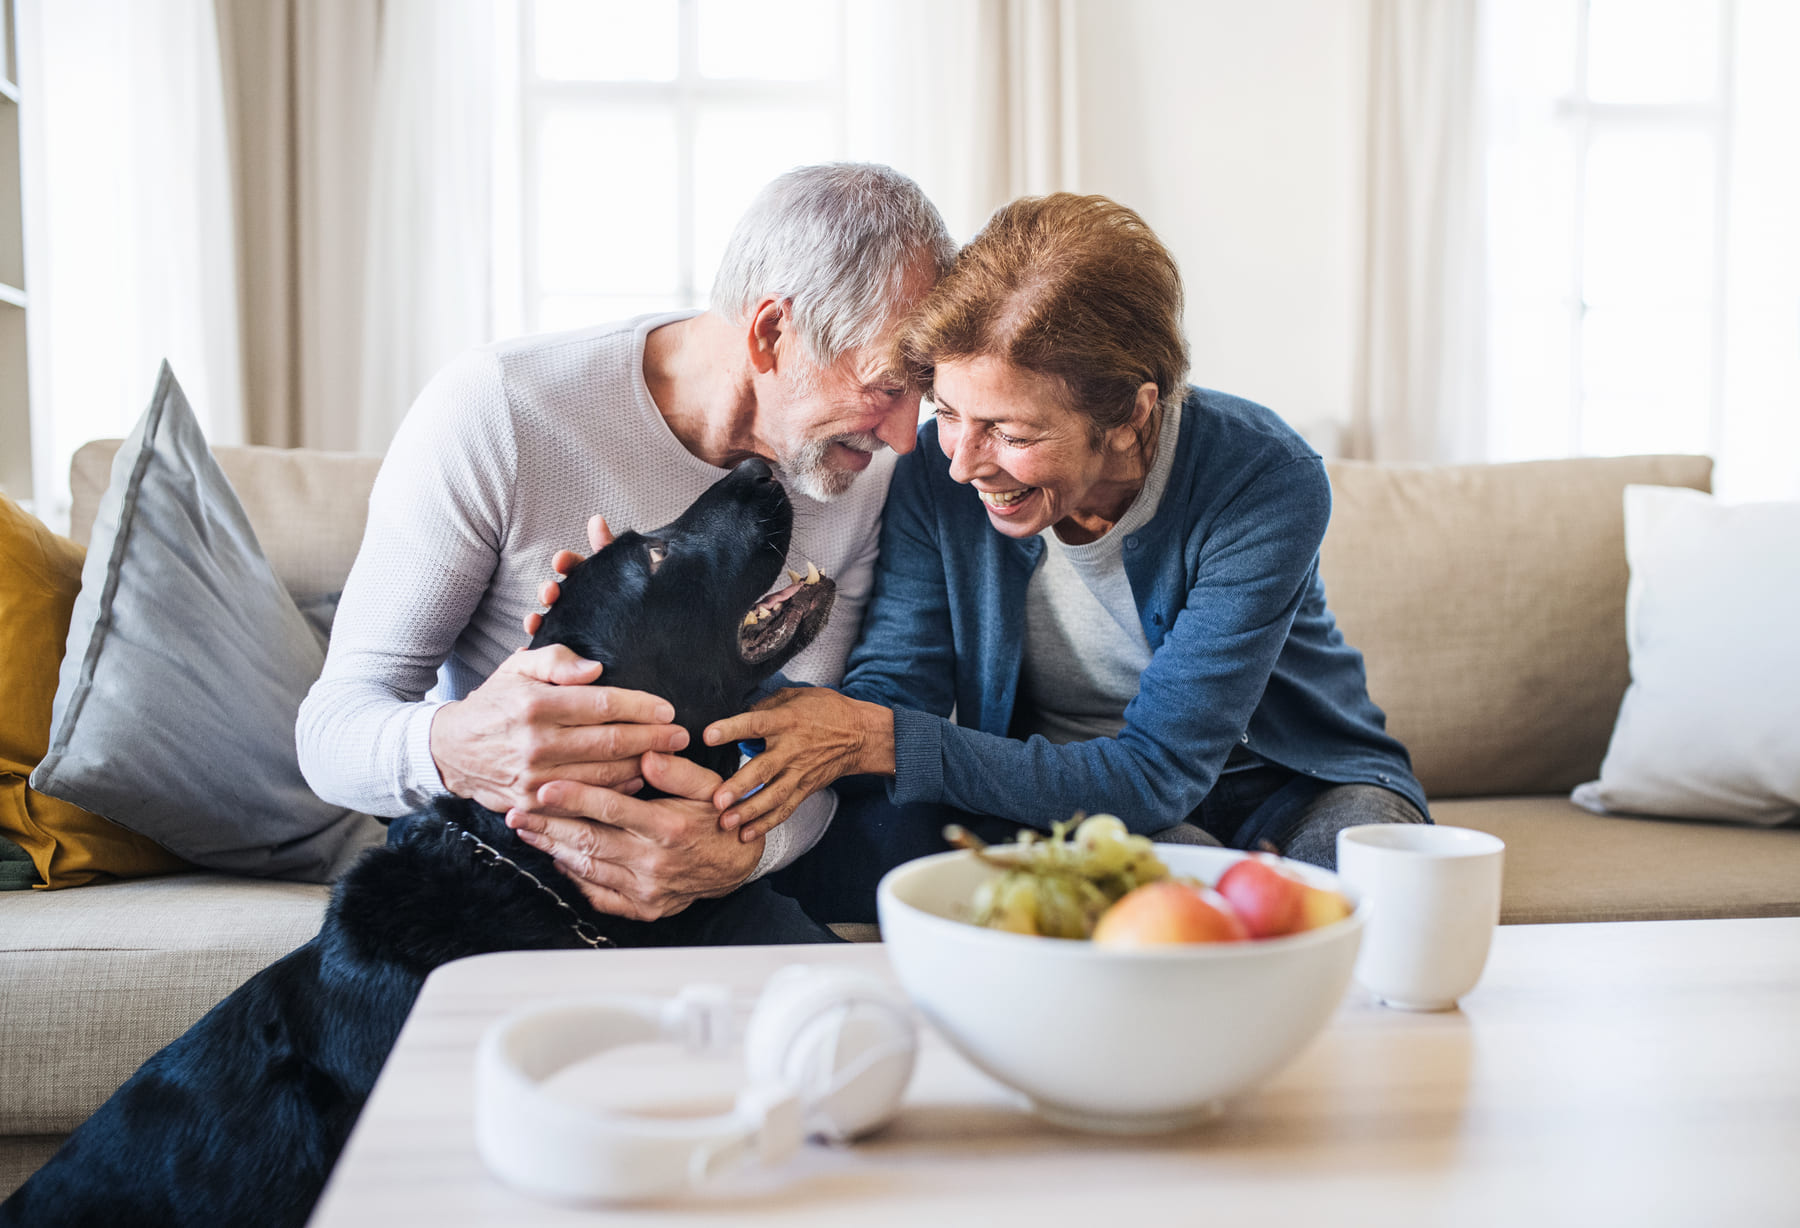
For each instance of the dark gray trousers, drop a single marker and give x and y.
(1278, 811)
(1261, 807)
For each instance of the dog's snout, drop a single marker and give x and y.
(756, 469)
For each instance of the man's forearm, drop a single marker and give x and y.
(794, 838)
(362, 748)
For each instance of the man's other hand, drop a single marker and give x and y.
(535, 720)
(642, 859)
(600, 536)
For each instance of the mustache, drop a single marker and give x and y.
(863, 441)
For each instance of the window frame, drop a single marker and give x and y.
(685, 95)
(1583, 117)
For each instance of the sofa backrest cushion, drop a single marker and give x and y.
(1488, 600)
(1489, 604)
(308, 508)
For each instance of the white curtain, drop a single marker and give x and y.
(130, 235)
(1419, 393)
(304, 203)
(429, 285)
(975, 99)
(362, 139)
(300, 85)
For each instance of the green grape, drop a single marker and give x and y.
(1103, 845)
(1008, 901)
(1059, 907)
(1058, 886)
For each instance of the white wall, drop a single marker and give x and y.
(1235, 128)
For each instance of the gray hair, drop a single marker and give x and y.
(837, 242)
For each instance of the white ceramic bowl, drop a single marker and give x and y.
(1107, 1038)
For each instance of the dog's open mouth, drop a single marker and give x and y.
(800, 610)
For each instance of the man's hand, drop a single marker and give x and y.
(642, 859)
(533, 722)
(811, 736)
(600, 536)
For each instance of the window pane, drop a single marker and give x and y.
(1765, 187)
(1531, 385)
(607, 201)
(559, 312)
(1532, 175)
(606, 40)
(1648, 236)
(1645, 377)
(1759, 457)
(792, 41)
(737, 150)
(1652, 50)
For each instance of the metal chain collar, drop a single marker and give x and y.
(584, 929)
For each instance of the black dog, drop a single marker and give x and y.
(240, 1119)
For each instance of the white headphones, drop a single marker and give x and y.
(828, 1052)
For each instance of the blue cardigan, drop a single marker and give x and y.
(1226, 577)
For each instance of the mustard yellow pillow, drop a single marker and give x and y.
(40, 574)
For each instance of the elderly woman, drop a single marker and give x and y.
(1098, 590)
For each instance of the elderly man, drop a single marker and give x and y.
(499, 463)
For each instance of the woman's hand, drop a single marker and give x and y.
(811, 736)
(641, 859)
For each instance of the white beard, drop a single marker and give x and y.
(817, 478)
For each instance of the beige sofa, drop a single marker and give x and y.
(1488, 601)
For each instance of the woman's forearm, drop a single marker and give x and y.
(875, 756)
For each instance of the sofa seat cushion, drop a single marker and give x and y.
(98, 978)
(1564, 864)
(22, 1155)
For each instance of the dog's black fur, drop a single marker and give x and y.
(240, 1119)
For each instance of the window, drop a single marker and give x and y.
(646, 126)
(1644, 291)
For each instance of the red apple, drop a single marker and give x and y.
(1168, 911)
(1266, 897)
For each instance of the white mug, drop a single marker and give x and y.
(1435, 894)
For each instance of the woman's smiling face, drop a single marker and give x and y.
(1008, 433)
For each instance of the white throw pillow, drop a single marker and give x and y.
(1710, 726)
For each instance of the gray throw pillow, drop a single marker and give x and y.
(186, 663)
(320, 612)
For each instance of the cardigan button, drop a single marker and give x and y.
(1245, 739)
(1131, 543)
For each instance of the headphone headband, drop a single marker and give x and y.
(819, 1059)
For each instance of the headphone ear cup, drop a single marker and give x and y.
(843, 1042)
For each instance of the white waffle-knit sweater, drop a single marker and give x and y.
(499, 464)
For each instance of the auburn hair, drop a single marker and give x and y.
(1074, 287)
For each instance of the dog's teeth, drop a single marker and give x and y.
(794, 575)
(750, 619)
(812, 573)
(763, 614)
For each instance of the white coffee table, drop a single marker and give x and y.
(1633, 1074)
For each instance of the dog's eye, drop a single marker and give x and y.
(657, 555)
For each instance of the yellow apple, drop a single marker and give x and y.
(1167, 912)
(1321, 907)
